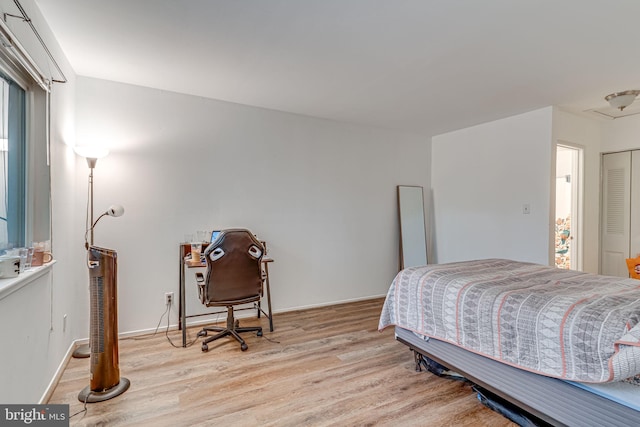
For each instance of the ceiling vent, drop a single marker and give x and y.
(609, 112)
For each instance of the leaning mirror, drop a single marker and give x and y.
(413, 237)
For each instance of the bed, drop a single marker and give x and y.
(560, 344)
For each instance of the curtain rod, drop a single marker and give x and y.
(28, 20)
(20, 56)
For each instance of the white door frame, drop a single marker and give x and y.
(577, 203)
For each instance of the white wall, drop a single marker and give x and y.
(31, 319)
(321, 193)
(499, 167)
(481, 178)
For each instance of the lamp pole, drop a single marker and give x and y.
(91, 161)
(84, 351)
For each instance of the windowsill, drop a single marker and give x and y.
(9, 286)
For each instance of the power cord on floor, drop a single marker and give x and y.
(270, 340)
(157, 327)
(84, 409)
(166, 332)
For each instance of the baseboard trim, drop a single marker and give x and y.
(328, 304)
(48, 392)
(205, 320)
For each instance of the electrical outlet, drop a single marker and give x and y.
(168, 298)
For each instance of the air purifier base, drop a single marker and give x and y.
(99, 396)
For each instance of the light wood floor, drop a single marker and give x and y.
(320, 367)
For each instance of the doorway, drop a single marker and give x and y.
(568, 221)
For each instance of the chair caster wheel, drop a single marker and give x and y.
(259, 333)
(244, 347)
(202, 333)
(205, 348)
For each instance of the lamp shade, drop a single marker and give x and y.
(115, 210)
(91, 151)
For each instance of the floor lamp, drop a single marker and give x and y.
(92, 154)
(105, 381)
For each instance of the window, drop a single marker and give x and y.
(25, 182)
(25, 212)
(12, 164)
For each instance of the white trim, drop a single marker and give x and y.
(204, 320)
(327, 304)
(578, 222)
(222, 317)
(48, 392)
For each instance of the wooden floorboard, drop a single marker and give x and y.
(320, 367)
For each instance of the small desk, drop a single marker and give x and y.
(185, 249)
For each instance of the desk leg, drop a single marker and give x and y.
(181, 303)
(266, 272)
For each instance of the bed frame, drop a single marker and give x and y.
(554, 401)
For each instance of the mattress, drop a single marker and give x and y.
(561, 323)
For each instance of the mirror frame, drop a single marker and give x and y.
(413, 235)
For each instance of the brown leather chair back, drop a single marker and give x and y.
(234, 273)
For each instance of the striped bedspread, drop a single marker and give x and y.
(561, 323)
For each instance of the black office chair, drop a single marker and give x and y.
(233, 277)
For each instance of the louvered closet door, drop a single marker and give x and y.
(616, 213)
(634, 244)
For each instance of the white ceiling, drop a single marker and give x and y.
(424, 66)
